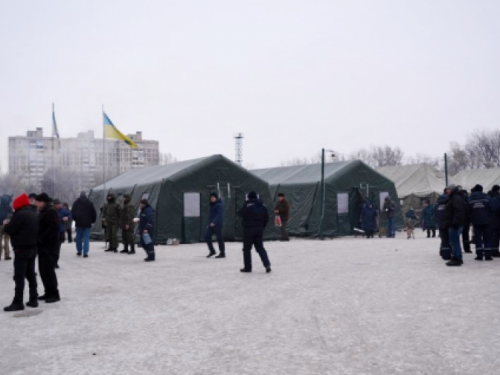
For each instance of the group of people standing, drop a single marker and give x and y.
(124, 217)
(457, 211)
(34, 229)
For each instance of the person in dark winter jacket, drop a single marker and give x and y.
(255, 218)
(454, 220)
(429, 218)
(480, 214)
(390, 210)
(67, 223)
(84, 215)
(33, 206)
(215, 225)
(23, 232)
(49, 245)
(5, 213)
(147, 229)
(495, 221)
(369, 219)
(444, 248)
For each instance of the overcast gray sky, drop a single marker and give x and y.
(293, 76)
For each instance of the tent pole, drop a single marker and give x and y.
(320, 234)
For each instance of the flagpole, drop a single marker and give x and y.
(53, 164)
(103, 153)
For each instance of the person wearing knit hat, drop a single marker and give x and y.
(454, 214)
(255, 218)
(49, 245)
(480, 214)
(216, 221)
(23, 231)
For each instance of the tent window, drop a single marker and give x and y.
(191, 204)
(343, 203)
(382, 198)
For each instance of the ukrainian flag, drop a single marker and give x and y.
(110, 131)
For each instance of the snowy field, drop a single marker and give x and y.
(343, 306)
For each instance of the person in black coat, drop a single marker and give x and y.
(466, 231)
(84, 215)
(444, 248)
(480, 215)
(495, 221)
(255, 218)
(369, 219)
(23, 231)
(454, 213)
(49, 245)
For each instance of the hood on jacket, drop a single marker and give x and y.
(21, 201)
(477, 194)
(5, 200)
(443, 198)
(256, 201)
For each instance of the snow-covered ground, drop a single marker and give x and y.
(343, 306)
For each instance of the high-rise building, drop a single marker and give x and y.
(88, 159)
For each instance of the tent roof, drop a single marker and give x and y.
(418, 179)
(154, 174)
(301, 174)
(485, 177)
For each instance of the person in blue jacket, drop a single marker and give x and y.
(147, 229)
(429, 218)
(215, 225)
(480, 214)
(369, 219)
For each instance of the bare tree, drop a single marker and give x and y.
(167, 158)
(12, 185)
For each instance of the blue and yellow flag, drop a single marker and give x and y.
(110, 131)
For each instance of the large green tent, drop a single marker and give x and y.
(347, 186)
(179, 193)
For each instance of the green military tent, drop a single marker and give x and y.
(347, 186)
(179, 193)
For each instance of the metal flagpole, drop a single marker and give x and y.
(53, 164)
(103, 153)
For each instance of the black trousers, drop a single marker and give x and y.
(47, 268)
(254, 237)
(69, 233)
(24, 268)
(218, 233)
(466, 237)
(284, 233)
(445, 248)
(495, 241)
(431, 229)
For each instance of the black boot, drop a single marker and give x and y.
(110, 249)
(246, 270)
(455, 263)
(125, 250)
(222, 254)
(16, 305)
(132, 249)
(32, 303)
(53, 298)
(211, 254)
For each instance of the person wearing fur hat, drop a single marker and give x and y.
(215, 225)
(480, 215)
(49, 245)
(23, 231)
(495, 220)
(255, 218)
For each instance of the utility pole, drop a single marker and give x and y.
(238, 140)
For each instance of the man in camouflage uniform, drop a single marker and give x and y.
(127, 225)
(111, 217)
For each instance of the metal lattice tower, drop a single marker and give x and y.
(238, 140)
